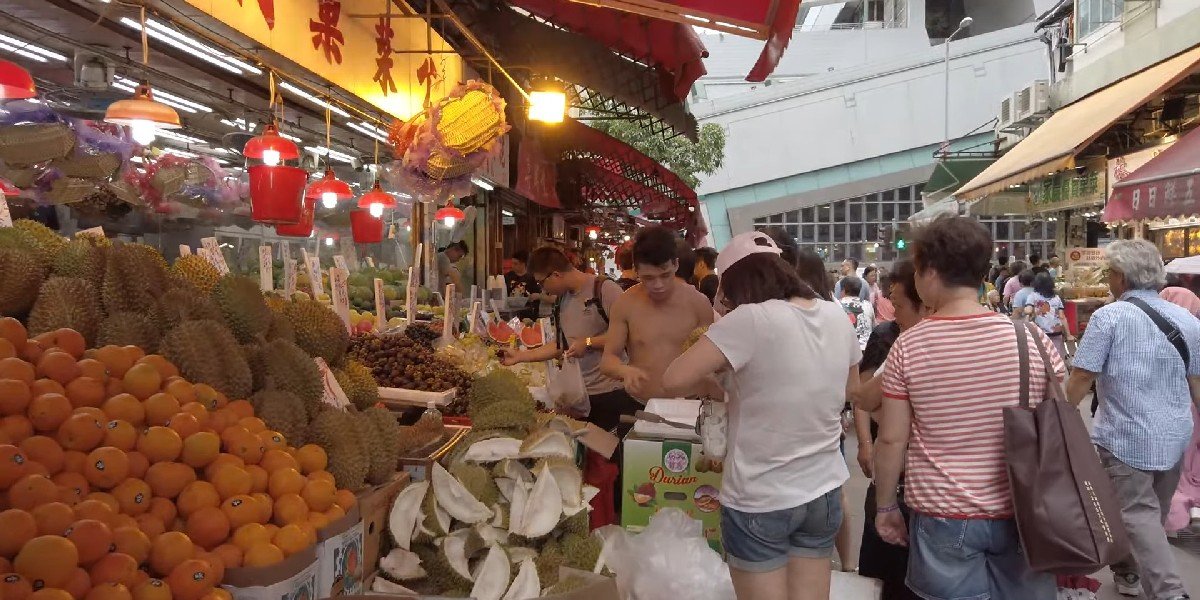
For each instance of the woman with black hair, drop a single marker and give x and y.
(1044, 307)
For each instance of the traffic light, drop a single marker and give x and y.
(900, 244)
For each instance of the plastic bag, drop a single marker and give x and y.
(669, 560)
(568, 392)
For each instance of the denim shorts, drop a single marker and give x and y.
(763, 542)
(971, 559)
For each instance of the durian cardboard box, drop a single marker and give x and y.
(293, 579)
(340, 564)
(374, 504)
(662, 473)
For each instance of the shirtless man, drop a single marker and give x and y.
(652, 320)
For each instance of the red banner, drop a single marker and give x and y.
(537, 177)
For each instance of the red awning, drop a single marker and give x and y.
(769, 20)
(672, 48)
(1167, 186)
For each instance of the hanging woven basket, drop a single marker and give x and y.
(69, 190)
(459, 133)
(22, 178)
(33, 143)
(169, 180)
(89, 166)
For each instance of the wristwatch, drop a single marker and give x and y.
(587, 343)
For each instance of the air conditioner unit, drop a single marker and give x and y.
(1007, 112)
(1032, 100)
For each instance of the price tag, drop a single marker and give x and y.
(418, 257)
(339, 261)
(266, 273)
(350, 252)
(380, 305)
(370, 262)
(5, 216)
(334, 395)
(450, 313)
(214, 254)
(312, 266)
(341, 295)
(410, 298)
(285, 251)
(185, 250)
(392, 231)
(496, 309)
(289, 277)
(97, 230)
(547, 326)
(477, 327)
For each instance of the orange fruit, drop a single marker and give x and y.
(50, 593)
(184, 424)
(200, 449)
(248, 448)
(120, 520)
(15, 368)
(106, 466)
(165, 369)
(286, 481)
(345, 499)
(318, 495)
(115, 387)
(74, 461)
(93, 509)
(334, 513)
(33, 351)
(142, 380)
(13, 331)
(214, 561)
(52, 518)
(208, 527)
(196, 410)
(47, 386)
(48, 411)
(45, 451)
(183, 391)
(86, 391)
(59, 366)
(210, 398)
(318, 520)
(197, 495)
(160, 444)
(14, 396)
(12, 465)
(289, 508)
(221, 419)
(164, 509)
(108, 499)
(132, 541)
(191, 579)
(230, 555)
(217, 594)
(114, 567)
(79, 584)
(222, 460)
(248, 535)
(69, 341)
(72, 487)
(92, 539)
(16, 428)
(109, 591)
(167, 479)
(290, 539)
(241, 510)
(151, 525)
(232, 481)
(262, 555)
(31, 491)
(7, 350)
(47, 561)
(273, 440)
(258, 478)
(272, 529)
(274, 459)
(168, 550)
(133, 495)
(241, 408)
(19, 526)
(82, 432)
(160, 407)
(232, 434)
(254, 425)
(126, 408)
(14, 587)
(312, 458)
(138, 464)
(120, 434)
(114, 359)
(310, 532)
(91, 411)
(95, 369)
(152, 589)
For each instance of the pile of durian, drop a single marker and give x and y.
(218, 330)
(507, 514)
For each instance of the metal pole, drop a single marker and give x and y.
(946, 99)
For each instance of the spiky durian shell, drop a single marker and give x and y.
(581, 551)
(498, 386)
(196, 271)
(129, 329)
(282, 365)
(548, 562)
(135, 276)
(385, 453)
(44, 242)
(279, 329)
(241, 303)
(338, 432)
(83, 257)
(22, 276)
(358, 383)
(183, 304)
(66, 302)
(319, 331)
(283, 412)
(206, 352)
(478, 481)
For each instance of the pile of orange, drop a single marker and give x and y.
(120, 480)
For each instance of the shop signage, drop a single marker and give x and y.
(1123, 166)
(1085, 257)
(354, 53)
(1066, 190)
(537, 176)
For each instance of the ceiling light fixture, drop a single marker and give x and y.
(270, 147)
(132, 89)
(314, 99)
(483, 183)
(449, 215)
(376, 201)
(341, 157)
(142, 114)
(329, 189)
(367, 132)
(179, 45)
(20, 46)
(547, 102)
(191, 41)
(167, 96)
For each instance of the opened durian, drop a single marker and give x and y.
(206, 352)
(456, 499)
(129, 329)
(478, 482)
(406, 516)
(241, 303)
(319, 331)
(66, 302)
(196, 271)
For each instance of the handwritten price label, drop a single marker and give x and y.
(5, 216)
(185, 250)
(339, 261)
(266, 274)
(214, 254)
(380, 310)
(341, 295)
(289, 277)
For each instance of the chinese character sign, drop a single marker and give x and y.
(383, 61)
(326, 34)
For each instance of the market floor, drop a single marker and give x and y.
(1188, 559)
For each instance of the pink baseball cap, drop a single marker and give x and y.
(743, 245)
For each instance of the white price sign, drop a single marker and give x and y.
(266, 274)
(339, 261)
(5, 216)
(370, 262)
(380, 305)
(312, 266)
(341, 295)
(289, 277)
(450, 314)
(185, 250)
(334, 395)
(97, 230)
(214, 254)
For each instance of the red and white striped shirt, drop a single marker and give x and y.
(959, 374)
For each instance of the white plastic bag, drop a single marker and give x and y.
(669, 560)
(568, 392)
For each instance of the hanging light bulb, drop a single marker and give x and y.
(329, 241)
(15, 82)
(329, 199)
(376, 200)
(593, 232)
(142, 131)
(143, 115)
(329, 190)
(449, 215)
(270, 147)
(270, 158)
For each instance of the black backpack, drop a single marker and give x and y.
(596, 301)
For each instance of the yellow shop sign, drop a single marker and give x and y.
(354, 53)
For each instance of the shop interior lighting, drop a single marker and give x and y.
(183, 153)
(368, 130)
(15, 82)
(179, 137)
(547, 106)
(29, 50)
(376, 200)
(126, 85)
(328, 241)
(239, 124)
(314, 99)
(449, 215)
(191, 41)
(507, 213)
(176, 40)
(482, 183)
(332, 154)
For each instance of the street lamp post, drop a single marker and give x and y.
(965, 23)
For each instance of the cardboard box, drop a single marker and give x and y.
(657, 474)
(374, 504)
(293, 579)
(340, 556)
(600, 588)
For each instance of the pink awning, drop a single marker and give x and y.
(1167, 186)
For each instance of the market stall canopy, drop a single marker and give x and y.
(1053, 145)
(941, 208)
(1185, 266)
(673, 49)
(769, 20)
(1167, 186)
(949, 174)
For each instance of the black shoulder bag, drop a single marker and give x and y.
(1168, 328)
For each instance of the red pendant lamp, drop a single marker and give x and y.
(15, 82)
(449, 215)
(270, 147)
(376, 201)
(329, 189)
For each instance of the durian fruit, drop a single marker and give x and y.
(478, 482)
(183, 304)
(65, 302)
(279, 329)
(206, 352)
(338, 433)
(570, 584)
(241, 303)
(282, 365)
(195, 271)
(319, 331)
(492, 575)
(282, 411)
(581, 551)
(83, 257)
(385, 444)
(45, 243)
(22, 276)
(405, 515)
(499, 400)
(95, 238)
(135, 276)
(549, 561)
(129, 329)
(358, 383)
(448, 578)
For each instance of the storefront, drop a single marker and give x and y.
(1160, 199)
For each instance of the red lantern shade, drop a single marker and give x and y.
(304, 227)
(262, 147)
(449, 215)
(277, 193)
(7, 188)
(593, 232)
(377, 196)
(329, 184)
(366, 228)
(15, 82)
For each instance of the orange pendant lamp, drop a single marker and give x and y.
(141, 113)
(15, 82)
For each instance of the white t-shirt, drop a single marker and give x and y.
(789, 387)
